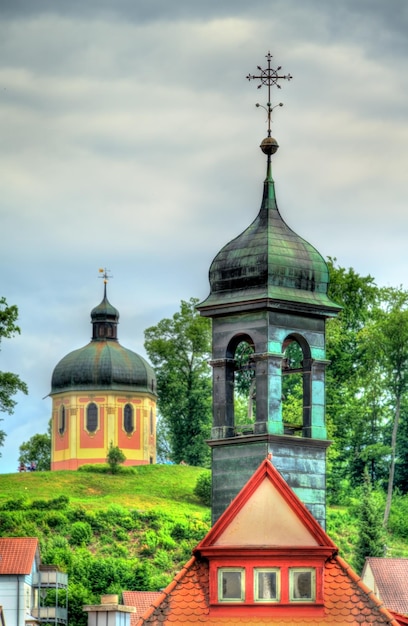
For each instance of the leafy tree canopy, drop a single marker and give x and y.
(36, 452)
(179, 348)
(10, 383)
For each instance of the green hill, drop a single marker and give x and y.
(167, 487)
(110, 533)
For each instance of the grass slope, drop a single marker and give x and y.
(165, 487)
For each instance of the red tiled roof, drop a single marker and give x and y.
(343, 598)
(141, 600)
(17, 554)
(347, 600)
(391, 577)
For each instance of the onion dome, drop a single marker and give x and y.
(103, 363)
(269, 261)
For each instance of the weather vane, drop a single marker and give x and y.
(269, 77)
(105, 274)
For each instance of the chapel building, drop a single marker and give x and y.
(102, 394)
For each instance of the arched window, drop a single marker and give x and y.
(91, 417)
(128, 422)
(244, 386)
(61, 420)
(296, 388)
(151, 421)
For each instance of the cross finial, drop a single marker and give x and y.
(269, 77)
(104, 274)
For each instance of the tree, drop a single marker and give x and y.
(385, 345)
(370, 531)
(352, 417)
(114, 458)
(179, 349)
(37, 451)
(10, 383)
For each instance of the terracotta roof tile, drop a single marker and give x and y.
(141, 600)
(17, 554)
(346, 601)
(391, 579)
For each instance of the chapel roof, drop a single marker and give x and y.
(103, 363)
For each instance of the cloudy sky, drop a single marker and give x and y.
(129, 140)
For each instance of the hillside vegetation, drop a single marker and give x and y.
(134, 530)
(110, 533)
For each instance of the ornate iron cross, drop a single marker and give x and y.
(269, 77)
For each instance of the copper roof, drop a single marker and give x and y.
(269, 260)
(17, 554)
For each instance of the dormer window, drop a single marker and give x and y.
(266, 585)
(302, 584)
(256, 583)
(231, 584)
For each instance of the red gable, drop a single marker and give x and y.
(282, 520)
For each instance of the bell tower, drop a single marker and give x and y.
(268, 303)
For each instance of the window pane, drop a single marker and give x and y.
(302, 585)
(267, 585)
(61, 428)
(92, 417)
(128, 418)
(231, 583)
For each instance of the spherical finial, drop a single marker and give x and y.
(269, 145)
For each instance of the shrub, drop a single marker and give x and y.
(56, 520)
(115, 458)
(163, 560)
(179, 531)
(40, 505)
(77, 514)
(14, 504)
(121, 535)
(59, 503)
(81, 534)
(202, 488)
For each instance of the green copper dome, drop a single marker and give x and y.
(268, 261)
(103, 363)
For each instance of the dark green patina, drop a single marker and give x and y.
(268, 286)
(268, 261)
(103, 363)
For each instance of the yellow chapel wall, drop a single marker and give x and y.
(75, 445)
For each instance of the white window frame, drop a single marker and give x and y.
(267, 570)
(231, 570)
(293, 596)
